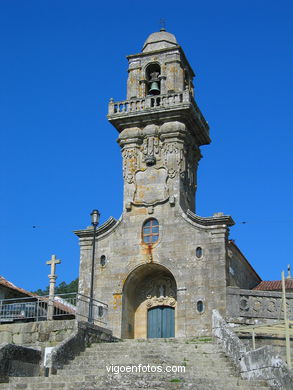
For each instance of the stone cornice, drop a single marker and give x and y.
(161, 51)
(257, 293)
(101, 230)
(185, 111)
(211, 221)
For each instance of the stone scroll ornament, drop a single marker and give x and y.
(173, 158)
(130, 164)
(159, 292)
(151, 149)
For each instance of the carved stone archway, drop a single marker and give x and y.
(147, 286)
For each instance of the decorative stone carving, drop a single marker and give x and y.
(151, 186)
(130, 164)
(271, 305)
(173, 158)
(159, 292)
(151, 150)
(188, 176)
(260, 305)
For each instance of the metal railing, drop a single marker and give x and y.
(65, 306)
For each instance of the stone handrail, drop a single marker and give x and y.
(258, 364)
(154, 102)
(16, 360)
(148, 102)
(83, 336)
(257, 304)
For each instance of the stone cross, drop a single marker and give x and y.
(52, 277)
(162, 25)
(53, 263)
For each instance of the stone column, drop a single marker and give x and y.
(52, 278)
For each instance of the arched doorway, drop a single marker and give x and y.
(149, 303)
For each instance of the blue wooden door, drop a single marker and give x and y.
(161, 322)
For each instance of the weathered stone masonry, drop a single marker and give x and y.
(161, 130)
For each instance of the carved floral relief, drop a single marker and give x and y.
(173, 158)
(130, 164)
(159, 292)
(151, 148)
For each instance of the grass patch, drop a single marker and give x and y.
(184, 363)
(200, 340)
(175, 380)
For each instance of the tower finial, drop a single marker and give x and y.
(163, 25)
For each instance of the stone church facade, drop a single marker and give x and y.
(160, 268)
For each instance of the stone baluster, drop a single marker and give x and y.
(111, 107)
(186, 96)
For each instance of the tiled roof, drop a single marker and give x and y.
(271, 285)
(58, 302)
(4, 282)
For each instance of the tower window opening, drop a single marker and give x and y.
(153, 73)
(150, 231)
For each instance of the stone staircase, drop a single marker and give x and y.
(205, 366)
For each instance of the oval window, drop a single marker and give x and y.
(103, 260)
(200, 306)
(198, 252)
(150, 231)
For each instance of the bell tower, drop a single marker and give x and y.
(160, 268)
(160, 127)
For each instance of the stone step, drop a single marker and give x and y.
(142, 383)
(194, 352)
(140, 356)
(203, 370)
(119, 346)
(207, 368)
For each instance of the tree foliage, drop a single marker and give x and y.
(62, 288)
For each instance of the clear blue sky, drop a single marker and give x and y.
(61, 61)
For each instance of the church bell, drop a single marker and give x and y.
(154, 84)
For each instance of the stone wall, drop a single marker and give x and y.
(132, 266)
(257, 304)
(83, 336)
(42, 334)
(259, 364)
(16, 360)
(241, 274)
(277, 343)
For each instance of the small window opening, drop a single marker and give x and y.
(103, 260)
(200, 306)
(100, 311)
(150, 231)
(198, 252)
